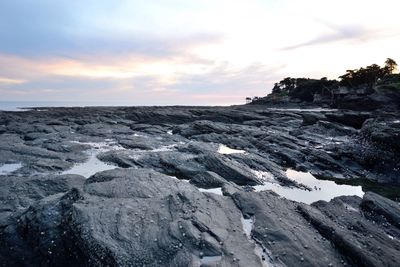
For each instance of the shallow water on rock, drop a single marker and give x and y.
(223, 149)
(217, 191)
(247, 226)
(261, 252)
(163, 148)
(210, 260)
(135, 152)
(93, 164)
(320, 189)
(9, 168)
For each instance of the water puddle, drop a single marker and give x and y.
(263, 255)
(259, 250)
(247, 226)
(108, 144)
(8, 168)
(164, 148)
(93, 164)
(222, 149)
(140, 135)
(320, 189)
(217, 191)
(177, 179)
(210, 260)
(264, 176)
(351, 208)
(136, 152)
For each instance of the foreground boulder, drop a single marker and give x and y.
(128, 217)
(284, 233)
(38, 236)
(382, 206)
(139, 217)
(365, 237)
(18, 193)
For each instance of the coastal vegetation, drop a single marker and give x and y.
(363, 81)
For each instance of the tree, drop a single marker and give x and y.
(372, 74)
(288, 84)
(363, 76)
(277, 89)
(305, 88)
(347, 78)
(390, 66)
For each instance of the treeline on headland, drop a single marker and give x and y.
(373, 83)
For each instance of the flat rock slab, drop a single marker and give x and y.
(288, 236)
(18, 193)
(150, 211)
(364, 234)
(133, 217)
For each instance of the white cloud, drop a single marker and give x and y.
(154, 49)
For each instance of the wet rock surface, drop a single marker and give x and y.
(156, 204)
(351, 226)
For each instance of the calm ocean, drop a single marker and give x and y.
(19, 105)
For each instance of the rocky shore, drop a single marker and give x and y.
(199, 186)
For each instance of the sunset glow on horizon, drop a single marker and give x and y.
(184, 52)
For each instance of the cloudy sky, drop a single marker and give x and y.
(162, 52)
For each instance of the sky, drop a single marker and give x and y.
(184, 52)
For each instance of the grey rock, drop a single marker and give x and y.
(229, 169)
(312, 118)
(382, 206)
(352, 119)
(146, 213)
(280, 229)
(38, 236)
(114, 222)
(354, 232)
(18, 193)
(207, 180)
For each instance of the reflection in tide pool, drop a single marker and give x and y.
(93, 164)
(263, 253)
(320, 189)
(210, 260)
(247, 226)
(9, 168)
(217, 191)
(223, 149)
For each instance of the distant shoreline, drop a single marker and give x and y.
(28, 105)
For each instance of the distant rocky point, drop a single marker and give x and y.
(368, 88)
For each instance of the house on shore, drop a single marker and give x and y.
(250, 100)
